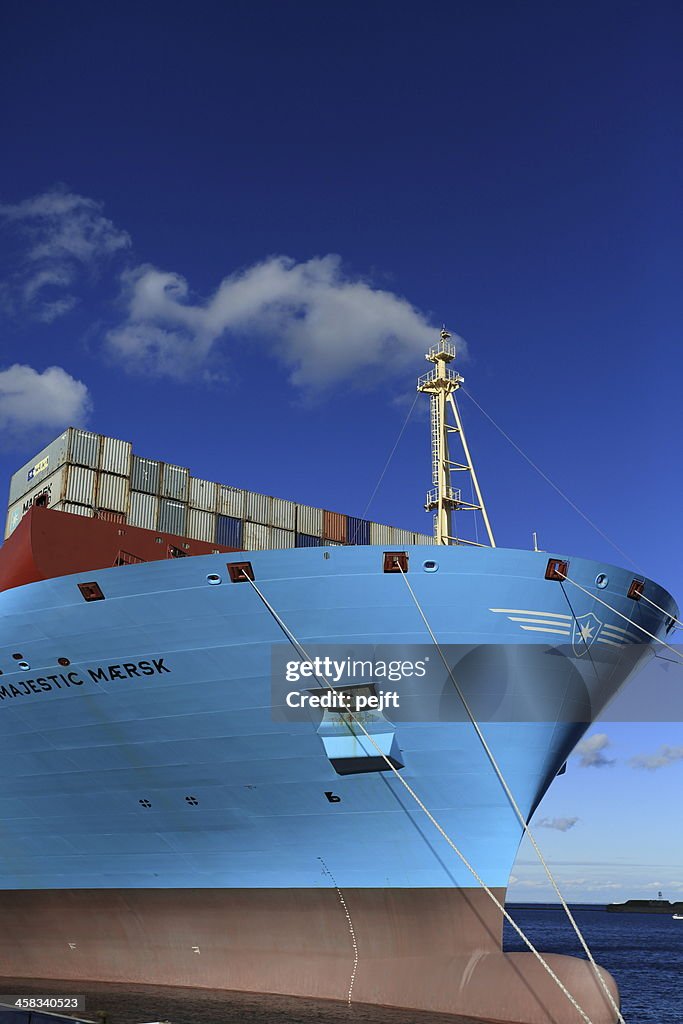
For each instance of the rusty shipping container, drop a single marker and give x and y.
(334, 526)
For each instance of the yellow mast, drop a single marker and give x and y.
(440, 384)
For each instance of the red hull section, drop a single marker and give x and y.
(428, 949)
(47, 544)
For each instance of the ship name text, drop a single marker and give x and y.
(97, 674)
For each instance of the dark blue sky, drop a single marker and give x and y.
(512, 169)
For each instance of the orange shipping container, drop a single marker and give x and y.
(334, 526)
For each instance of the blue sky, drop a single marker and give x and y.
(235, 228)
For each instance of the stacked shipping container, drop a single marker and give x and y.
(92, 475)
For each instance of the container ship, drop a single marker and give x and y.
(161, 824)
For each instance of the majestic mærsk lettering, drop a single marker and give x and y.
(98, 674)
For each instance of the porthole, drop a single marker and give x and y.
(24, 665)
(213, 579)
(601, 580)
(430, 565)
(63, 661)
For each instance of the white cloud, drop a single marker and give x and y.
(664, 757)
(590, 751)
(324, 326)
(31, 401)
(62, 236)
(560, 824)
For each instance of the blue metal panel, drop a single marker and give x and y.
(107, 755)
(229, 531)
(357, 530)
(307, 540)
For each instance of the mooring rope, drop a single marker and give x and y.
(324, 683)
(637, 625)
(515, 806)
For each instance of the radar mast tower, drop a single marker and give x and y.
(443, 499)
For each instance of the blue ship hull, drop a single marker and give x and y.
(153, 762)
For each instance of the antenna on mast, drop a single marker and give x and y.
(440, 384)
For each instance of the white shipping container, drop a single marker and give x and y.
(424, 538)
(73, 509)
(256, 537)
(282, 538)
(203, 494)
(48, 492)
(174, 482)
(201, 525)
(115, 456)
(380, 534)
(80, 485)
(113, 492)
(230, 501)
(401, 538)
(283, 514)
(309, 520)
(73, 446)
(68, 483)
(144, 510)
(257, 508)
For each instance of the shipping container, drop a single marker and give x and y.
(380, 534)
(357, 530)
(80, 485)
(113, 492)
(172, 517)
(423, 538)
(334, 526)
(203, 494)
(256, 537)
(68, 483)
(309, 520)
(79, 447)
(115, 456)
(401, 538)
(201, 525)
(257, 508)
(228, 531)
(307, 540)
(145, 475)
(283, 514)
(174, 482)
(48, 492)
(144, 510)
(84, 448)
(282, 538)
(110, 517)
(73, 508)
(230, 501)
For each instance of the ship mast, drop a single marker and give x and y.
(443, 499)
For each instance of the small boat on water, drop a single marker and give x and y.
(677, 917)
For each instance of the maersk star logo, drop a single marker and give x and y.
(586, 632)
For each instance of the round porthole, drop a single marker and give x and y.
(430, 566)
(601, 580)
(213, 578)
